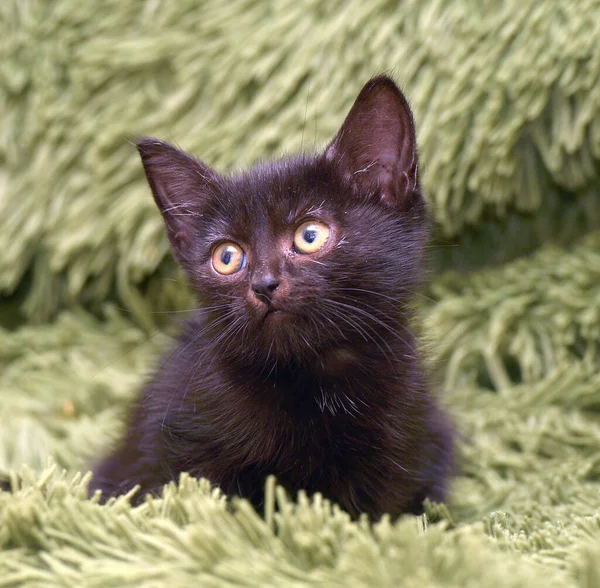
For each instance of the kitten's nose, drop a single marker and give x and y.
(264, 287)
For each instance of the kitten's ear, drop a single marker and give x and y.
(376, 147)
(179, 183)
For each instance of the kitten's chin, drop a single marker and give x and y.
(285, 336)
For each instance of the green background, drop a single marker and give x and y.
(506, 96)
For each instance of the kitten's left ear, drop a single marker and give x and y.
(376, 147)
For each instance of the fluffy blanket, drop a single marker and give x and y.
(507, 100)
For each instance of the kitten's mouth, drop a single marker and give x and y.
(275, 313)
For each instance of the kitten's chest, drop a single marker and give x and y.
(320, 428)
(338, 455)
(299, 427)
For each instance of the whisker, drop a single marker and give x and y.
(200, 309)
(360, 328)
(199, 361)
(268, 357)
(366, 291)
(385, 296)
(329, 320)
(374, 318)
(201, 332)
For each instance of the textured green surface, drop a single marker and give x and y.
(506, 97)
(507, 101)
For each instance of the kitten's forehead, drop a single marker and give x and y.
(275, 195)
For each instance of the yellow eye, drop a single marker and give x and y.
(311, 236)
(228, 258)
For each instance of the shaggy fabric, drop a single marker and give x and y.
(507, 101)
(506, 97)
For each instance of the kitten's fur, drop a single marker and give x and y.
(330, 397)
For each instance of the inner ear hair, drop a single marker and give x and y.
(376, 146)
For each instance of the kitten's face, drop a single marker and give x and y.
(307, 257)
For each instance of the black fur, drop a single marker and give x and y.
(328, 393)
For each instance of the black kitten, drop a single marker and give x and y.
(300, 361)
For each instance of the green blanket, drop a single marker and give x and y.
(507, 100)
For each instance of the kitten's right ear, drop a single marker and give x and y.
(376, 147)
(179, 183)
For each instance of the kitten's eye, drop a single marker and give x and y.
(311, 236)
(228, 258)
